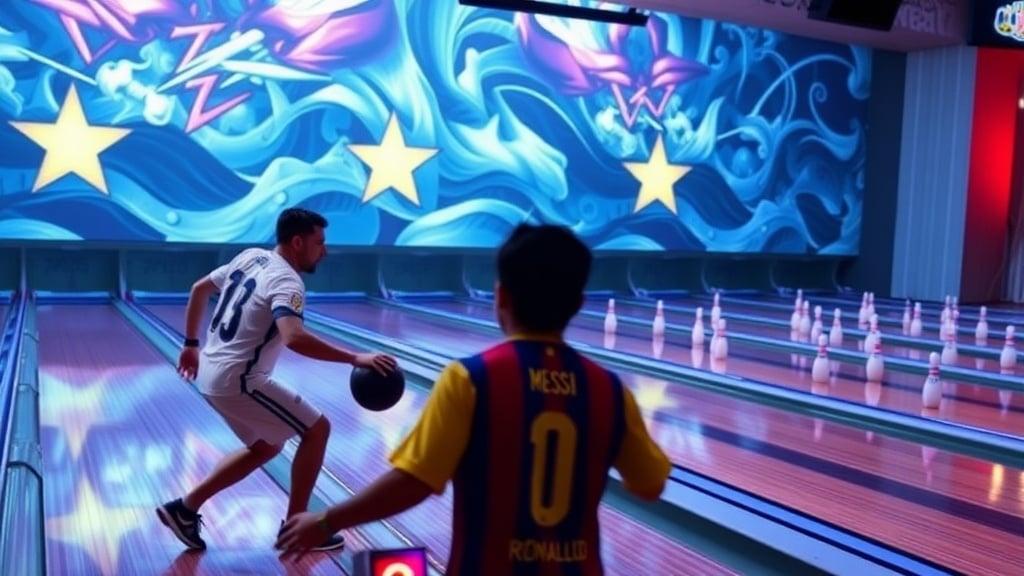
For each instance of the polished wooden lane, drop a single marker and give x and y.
(957, 511)
(968, 404)
(361, 441)
(121, 433)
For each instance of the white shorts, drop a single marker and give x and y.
(269, 411)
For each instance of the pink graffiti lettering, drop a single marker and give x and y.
(198, 115)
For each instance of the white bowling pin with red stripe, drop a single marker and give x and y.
(835, 334)
(931, 393)
(981, 330)
(915, 323)
(949, 352)
(819, 369)
(1008, 357)
(817, 326)
(805, 322)
(872, 335)
(874, 369)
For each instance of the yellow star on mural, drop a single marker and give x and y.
(71, 144)
(392, 163)
(95, 528)
(657, 177)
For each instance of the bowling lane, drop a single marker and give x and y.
(967, 404)
(112, 452)
(845, 476)
(361, 441)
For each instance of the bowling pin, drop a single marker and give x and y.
(721, 346)
(805, 322)
(819, 369)
(871, 304)
(931, 393)
(945, 311)
(697, 334)
(981, 330)
(949, 354)
(658, 328)
(610, 322)
(1008, 357)
(875, 367)
(915, 323)
(835, 335)
(906, 318)
(950, 326)
(873, 333)
(716, 310)
(816, 327)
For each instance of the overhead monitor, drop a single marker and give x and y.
(996, 23)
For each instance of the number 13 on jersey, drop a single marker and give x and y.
(552, 478)
(234, 300)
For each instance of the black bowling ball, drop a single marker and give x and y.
(374, 391)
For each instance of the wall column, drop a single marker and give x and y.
(987, 220)
(934, 167)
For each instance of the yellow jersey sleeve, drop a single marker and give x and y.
(433, 448)
(642, 464)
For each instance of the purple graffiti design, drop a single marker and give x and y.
(315, 37)
(576, 70)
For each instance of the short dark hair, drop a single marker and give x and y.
(294, 222)
(544, 270)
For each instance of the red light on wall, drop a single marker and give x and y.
(401, 562)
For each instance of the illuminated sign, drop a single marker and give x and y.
(1009, 21)
(401, 562)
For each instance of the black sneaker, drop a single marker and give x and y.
(333, 542)
(183, 522)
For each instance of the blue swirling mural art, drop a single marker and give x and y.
(424, 123)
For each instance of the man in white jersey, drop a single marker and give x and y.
(259, 312)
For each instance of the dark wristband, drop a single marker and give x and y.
(191, 342)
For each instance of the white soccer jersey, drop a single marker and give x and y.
(242, 343)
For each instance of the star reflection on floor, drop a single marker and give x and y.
(118, 443)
